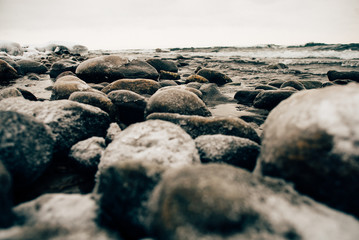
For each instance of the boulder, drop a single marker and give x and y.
(31, 66)
(26, 146)
(197, 78)
(27, 94)
(218, 201)
(311, 84)
(62, 66)
(169, 75)
(167, 83)
(139, 69)
(124, 189)
(246, 97)
(9, 92)
(196, 125)
(66, 73)
(211, 94)
(11, 48)
(140, 86)
(173, 100)
(101, 69)
(276, 83)
(316, 132)
(86, 154)
(7, 72)
(65, 86)
(294, 84)
(11, 62)
(151, 141)
(161, 64)
(277, 66)
(69, 121)
(6, 214)
(214, 76)
(112, 131)
(240, 152)
(265, 87)
(58, 216)
(129, 107)
(352, 75)
(271, 98)
(96, 99)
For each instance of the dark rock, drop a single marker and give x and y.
(211, 94)
(58, 216)
(271, 98)
(65, 86)
(31, 66)
(214, 76)
(174, 100)
(167, 83)
(265, 87)
(69, 121)
(197, 78)
(140, 86)
(246, 97)
(294, 84)
(11, 48)
(66, 73)
(101, 69)
(125, 188)
(11, 62)
(33, 76)
(311, 84)
(342, 81)
(255, 118)
(62, 66)
(217, 201)
(277, 66)
(96, 86)
(197, 126)
(113, 130)
(165, 65)
(129, 107)
(6, 214)
(61, 49)
(314, 133)
(26, 146)
(10, 92)
(334, 75)
(276, 83)
(86, 154)
(327, 84)
(96, 99)
(240, 152)
(7, 72)
(27, 94)
(139, 69)
(169, 75)
(155, 141)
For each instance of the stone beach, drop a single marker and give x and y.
(218, 143)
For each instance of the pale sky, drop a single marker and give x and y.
(119, 24)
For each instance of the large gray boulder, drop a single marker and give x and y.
(311, 139)
(218, 202)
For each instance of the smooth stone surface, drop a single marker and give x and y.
(352, 75)
(139, 69)
(316, 132)
(271, 98)
(62, 66)
(294, 84)
(214, 76)
(31, 66)
(196, 125)
(140, 86)
(10, 92)
(246, 97)
(161, 64)
(212, 95)
(96, 99)
(65, 86)
(173, 100)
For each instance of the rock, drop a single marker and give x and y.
(27, 94)
(66, 73)
(113, 130)
(211, 94)
(195, 85)
(101, 69)
(240, 152)
(125, 188)
(276, 83)
(155, 141)
(311, 84)
(196, 125)
(217, 201)
(11, 62)
(167, 83)
(184, 87)
(26, 146)
(7, 72)
(254, 118)
(246, 97)
(316, 132)
(58, 216)
(214, 76)
(86, 154)
(265, 87)
(277, 66)
(129, 107)
(61, 49)
(79, 49)
(96, 99)
(69, 121)
(169, 75)
(139, 69)
(197, 78)
(11, 48)
(271, 98)
(294, 84)
(174, 100)
(327, 84)
(6, 214)
(334, 75)
(165, 65)
(31, 66)
(9, 92)
(140, 86)
(65, 86)
(62, 66)
(342, 81)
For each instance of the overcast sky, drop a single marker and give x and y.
(119, 24)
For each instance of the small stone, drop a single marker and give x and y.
(334, 75)
(61, 66)
(7, 72)
(271, 98)
(311, 84)
(31, 66)
(277, 66)
(165, 65)
(65, 86)
(96, 99)
(294, 84)
(10, 92)
(169, 75)
(197, 78)
(214, 76)
(140, 86)
(246, 97)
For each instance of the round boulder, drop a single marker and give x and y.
(140, 86)
(62, 66)
(165, 65)
(7, 72)
(31, 66)
(271, 98)
(96, 99)
(214, 76)
(311, 139)
(65, 86)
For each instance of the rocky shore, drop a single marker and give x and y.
(178, 144)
